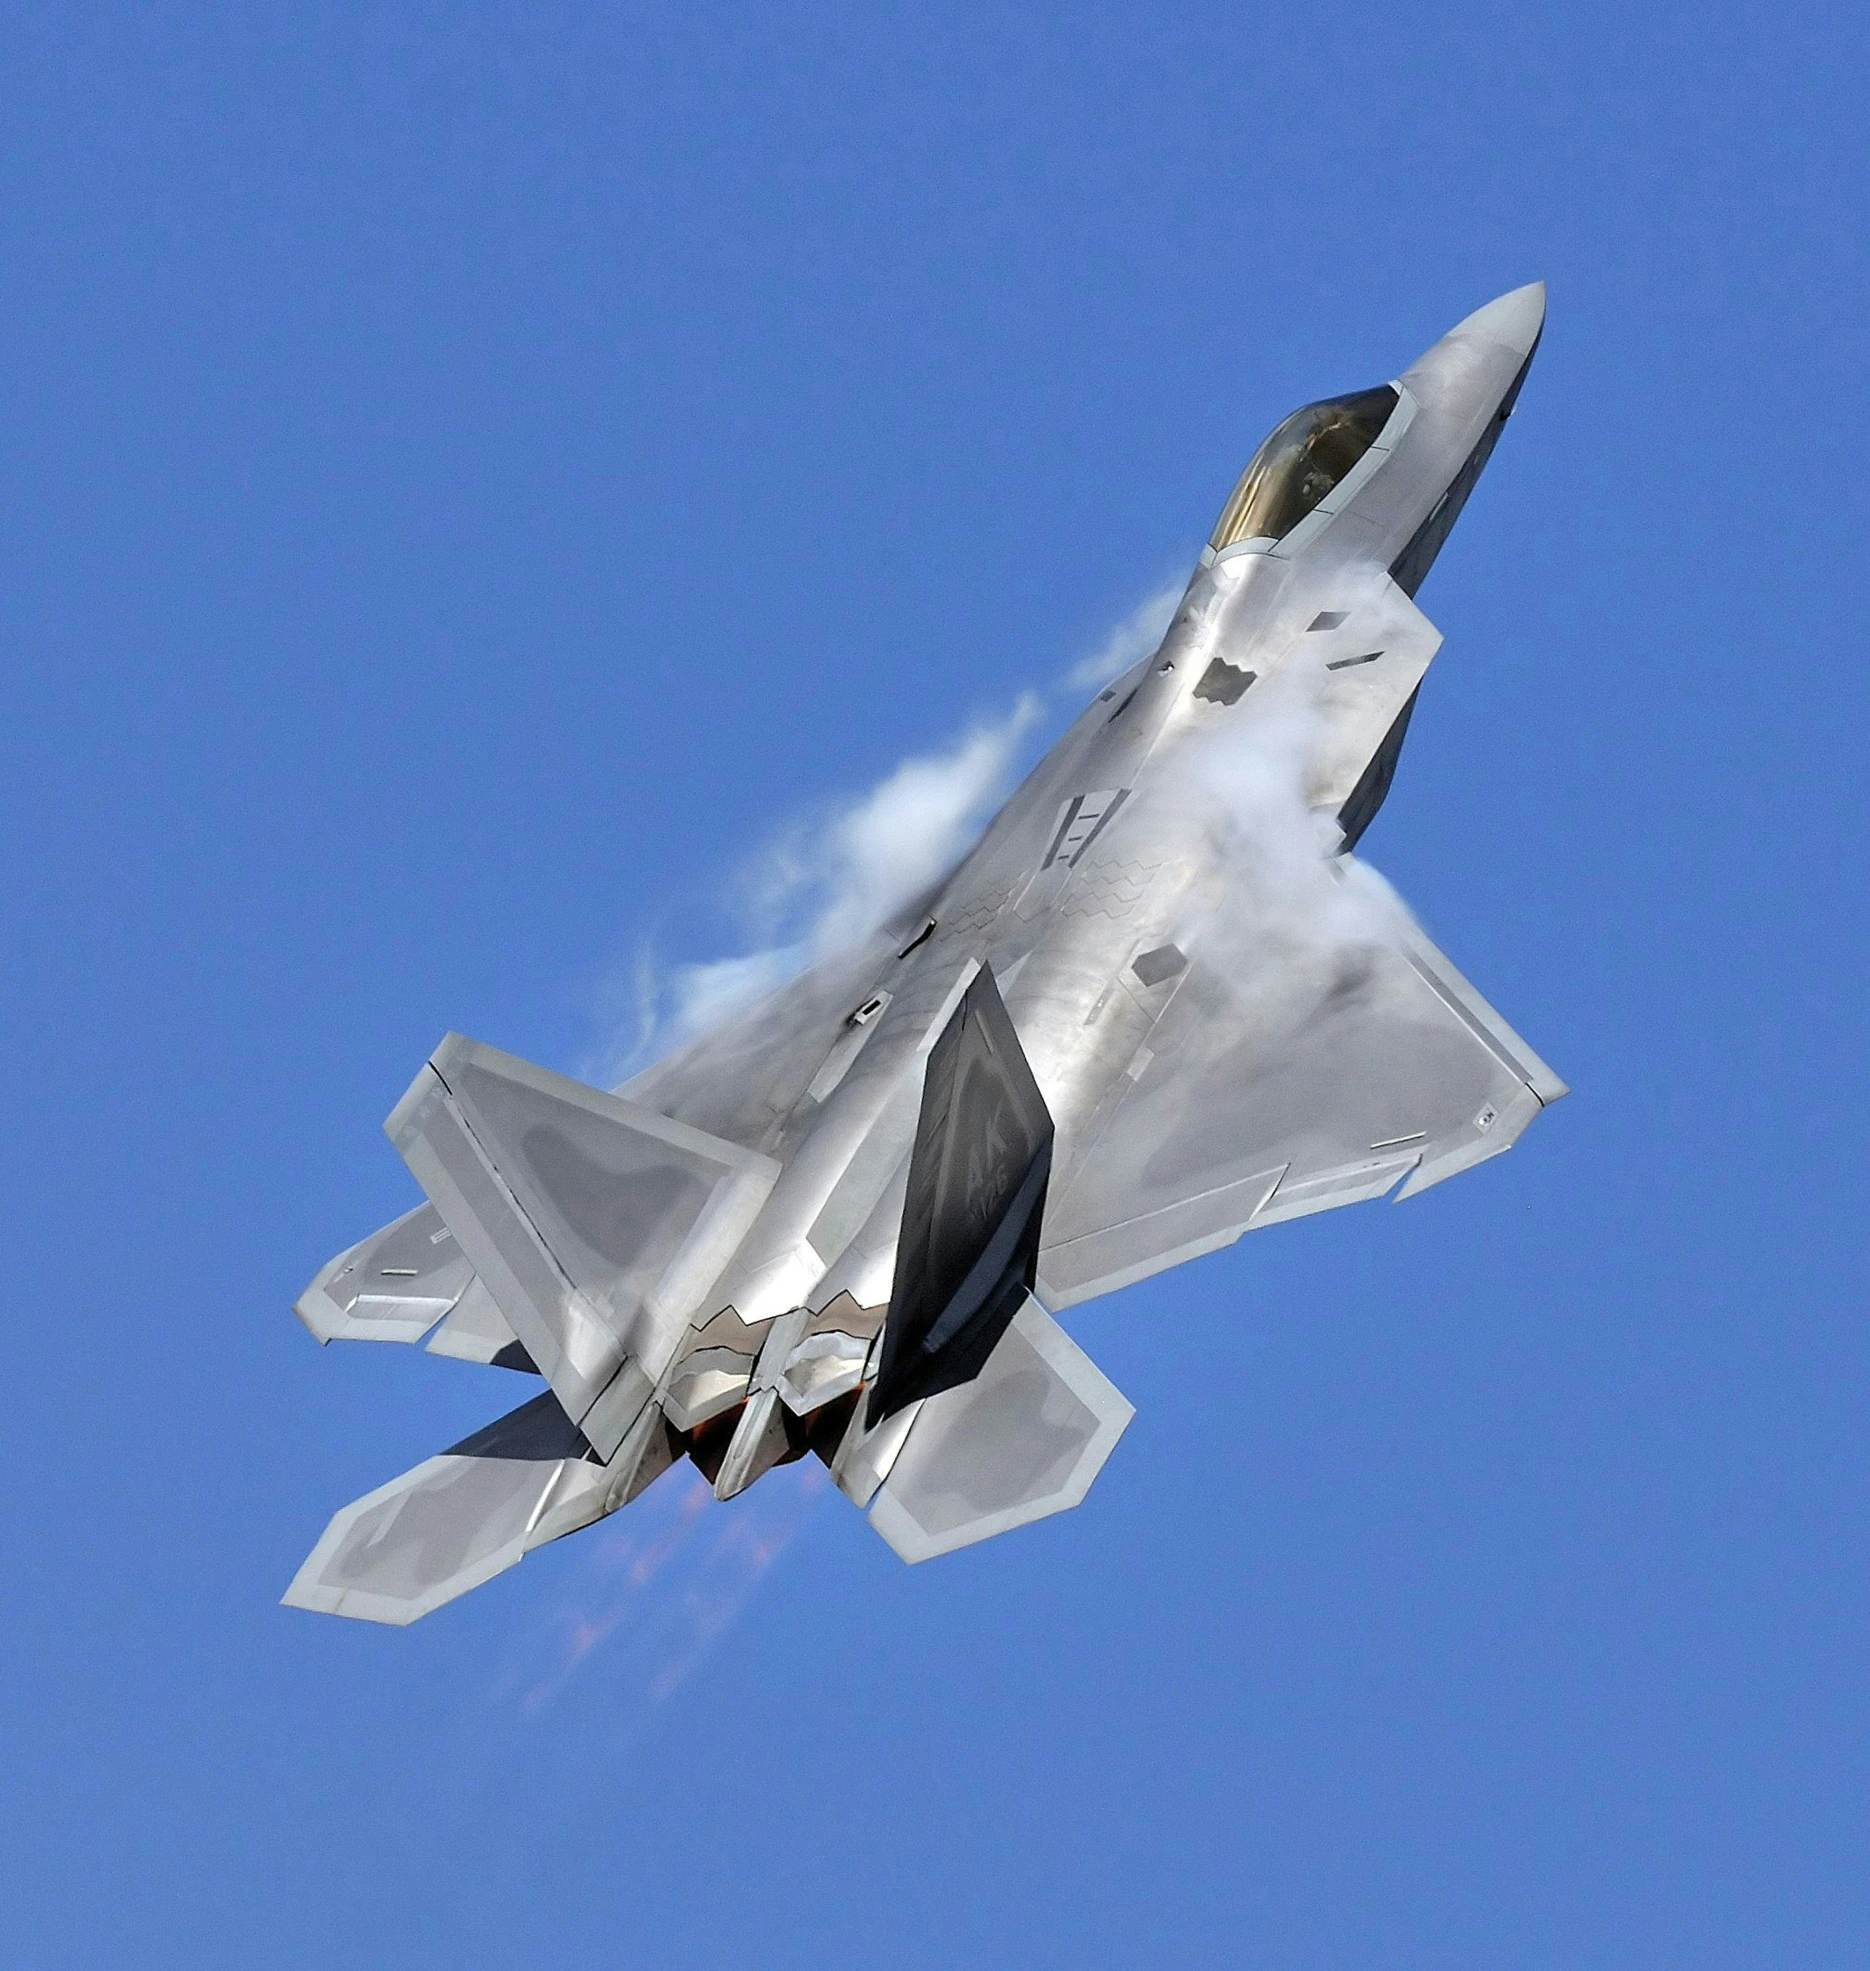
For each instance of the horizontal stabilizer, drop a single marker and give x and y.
(1021, 1441)
(455, 1520)
(594, 1224)
(972, 1212)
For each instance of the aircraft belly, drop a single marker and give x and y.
(1082, 1011)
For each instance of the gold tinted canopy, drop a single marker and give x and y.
(1299, 464)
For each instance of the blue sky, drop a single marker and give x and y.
(474, 482)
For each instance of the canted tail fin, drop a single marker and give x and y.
(976, 1195)
(984, 1415)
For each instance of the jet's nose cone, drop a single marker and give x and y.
(1513, 321)
(1479, 358)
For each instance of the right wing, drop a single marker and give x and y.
(1332, 1075)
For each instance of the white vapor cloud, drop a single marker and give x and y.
(1133, 638)
(825, 882)
(1277, 886)
(871, 856)
(701, 996)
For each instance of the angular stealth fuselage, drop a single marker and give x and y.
(1157, 1005)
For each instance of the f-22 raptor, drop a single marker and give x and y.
(1159, 1004)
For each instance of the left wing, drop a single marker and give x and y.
(393, 1286)
(1326, 1076)
(399, 1283)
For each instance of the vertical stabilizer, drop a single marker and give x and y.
(970, 1232)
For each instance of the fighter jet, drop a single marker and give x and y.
(1159, 1004)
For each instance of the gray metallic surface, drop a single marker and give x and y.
(451, 1523)
(593, 1223)
(1343, 1069)
(1020, 1442)
(475, 1330)
(393, 1286)
(972, 1205)
(1230, 1021)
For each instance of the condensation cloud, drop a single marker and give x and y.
(821, 883)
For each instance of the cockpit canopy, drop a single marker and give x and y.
(1299, 464)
